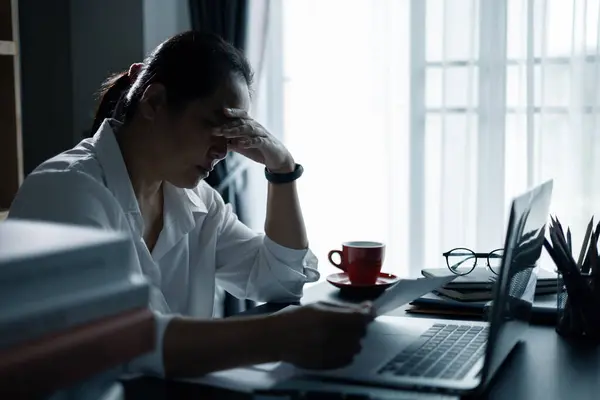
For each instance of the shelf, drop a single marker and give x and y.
(11, 152)
(8, 17)
(11, 149)
(7, 48)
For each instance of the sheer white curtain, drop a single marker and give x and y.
(419, 120)
(553, 88)
(345, 108)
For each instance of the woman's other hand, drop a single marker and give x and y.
(321, 336)
(250, 139)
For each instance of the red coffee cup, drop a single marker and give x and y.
(362, 261)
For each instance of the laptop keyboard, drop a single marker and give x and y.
(443, 351)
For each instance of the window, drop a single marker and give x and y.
(419, 120)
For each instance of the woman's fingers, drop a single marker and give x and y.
(246, 130)
(241, 132)
(235, 135)
(244, 143)
(237, 129)
(233, 123)
(235, 113)
(232, 132)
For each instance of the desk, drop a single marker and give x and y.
(531, 372)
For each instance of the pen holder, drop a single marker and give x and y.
(580, 322)
(578, 284)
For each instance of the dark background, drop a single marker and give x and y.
(68, 47)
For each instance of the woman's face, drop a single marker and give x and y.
(188, 147)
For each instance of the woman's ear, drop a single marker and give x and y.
(153, 100)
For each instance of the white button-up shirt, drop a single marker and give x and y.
(202, 242)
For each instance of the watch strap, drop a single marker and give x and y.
(286, 177)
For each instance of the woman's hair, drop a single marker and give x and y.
(190, 65)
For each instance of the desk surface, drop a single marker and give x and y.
(543, 367)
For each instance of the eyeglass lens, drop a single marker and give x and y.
(461, 261)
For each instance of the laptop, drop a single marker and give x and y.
(460, 357)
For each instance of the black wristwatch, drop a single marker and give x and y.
(284, 178)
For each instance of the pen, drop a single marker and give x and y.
(584, 246)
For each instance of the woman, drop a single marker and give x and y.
(160, 129)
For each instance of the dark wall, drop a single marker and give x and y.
(108, 36)
(68, 47)
(46, 83)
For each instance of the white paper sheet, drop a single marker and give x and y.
(266, 376)
(267, 367)
(248, 379)
(406, 291)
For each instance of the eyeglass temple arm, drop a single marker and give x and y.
(453, 267)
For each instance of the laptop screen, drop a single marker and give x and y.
(515, 288)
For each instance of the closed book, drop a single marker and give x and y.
(60, 360)
(39, 260)
(437, 301)
(35, 289)
(484, 279)
(543, 310)
(480, 295)
(22, 322)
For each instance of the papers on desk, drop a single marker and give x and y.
(406, 291)
(402, 293)
(266, 376)
(282, 380)
(248, 379)
(316, 388)
(267, 367)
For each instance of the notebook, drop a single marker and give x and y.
(543, 311)
(485, 295)
(483, 279)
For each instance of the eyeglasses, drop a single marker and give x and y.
(462, 261)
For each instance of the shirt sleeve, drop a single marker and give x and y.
(73, 197)
(252, 266)
(68, 197)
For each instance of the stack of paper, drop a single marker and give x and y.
(54, 277)
(478, 284)
(68, 297)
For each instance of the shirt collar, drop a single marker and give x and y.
(180, 204)
(111, 160)
(181, 211)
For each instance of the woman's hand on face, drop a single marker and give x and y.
(250, 139)
(320, 336)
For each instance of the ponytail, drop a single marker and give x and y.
(111, 96)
